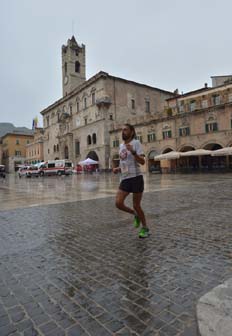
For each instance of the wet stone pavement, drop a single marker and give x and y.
(78, 268)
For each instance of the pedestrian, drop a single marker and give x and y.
(131, 157)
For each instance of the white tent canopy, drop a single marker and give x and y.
(197, 152)
(88, 161)
(222, 151)
(167, 156)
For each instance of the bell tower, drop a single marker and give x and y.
(73, 65)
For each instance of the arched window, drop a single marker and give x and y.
(94, 138)
(89, 140)
(77, 66)
(66, 154)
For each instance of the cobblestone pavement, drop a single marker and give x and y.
(78, 268)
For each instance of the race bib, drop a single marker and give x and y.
(124, 169)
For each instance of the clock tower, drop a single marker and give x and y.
(73, 65)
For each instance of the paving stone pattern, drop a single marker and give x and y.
(80, 269)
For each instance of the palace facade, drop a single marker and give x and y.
(201, 119)
(78, 125)
(87, 120)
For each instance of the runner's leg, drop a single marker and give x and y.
(137, 197)
(119, 202)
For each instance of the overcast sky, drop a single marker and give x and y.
(168, 44)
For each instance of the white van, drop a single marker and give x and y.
(56, 167)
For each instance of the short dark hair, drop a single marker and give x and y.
(132, 129)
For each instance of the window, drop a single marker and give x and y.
(89, 141)
(211, 127)
(70, 109)
(17, 153)
(93, 98)
(17, 142)
(204, 103)
(167, 134)
(192, 105)
(132, 104)
(181, 107)
(151, 137)
(94, 138)
(65, 67)
(111, 117)
(78, 107)
(230, 98)
(51, 165)
(77, 66)
(183, 131)
(47, 119)
(57, 148)
(147, 106)
(77, 148)
(140, 138)
(85, 103)
(28, 141)
(54, 148)
(216, 99)
(85, 121)
(116, 143)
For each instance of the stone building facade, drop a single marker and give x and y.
(34, 150)
(78, 125)
(200, 119)
(14, 149)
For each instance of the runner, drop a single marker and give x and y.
(131, 157)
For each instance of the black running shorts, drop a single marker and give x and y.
(133, 184)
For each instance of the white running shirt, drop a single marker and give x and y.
(129, 166)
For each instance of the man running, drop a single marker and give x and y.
(131, 157)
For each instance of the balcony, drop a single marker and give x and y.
(104, 102)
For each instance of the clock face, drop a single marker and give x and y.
(66, 80)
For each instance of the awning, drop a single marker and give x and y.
(87, 161)
(197, 152)
(222, 151)
(167, 156)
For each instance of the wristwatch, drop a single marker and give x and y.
(133, 152)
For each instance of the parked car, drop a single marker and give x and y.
(2, 171)
(28, 171)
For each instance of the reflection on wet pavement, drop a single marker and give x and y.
(77, 267)
(26, 192)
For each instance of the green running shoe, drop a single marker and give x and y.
(136, 221)
(144, 232)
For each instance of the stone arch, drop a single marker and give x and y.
(186, 148)
(209, 162)
(152, 165)
(92, 155)
(211, 145)
(167, 150)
